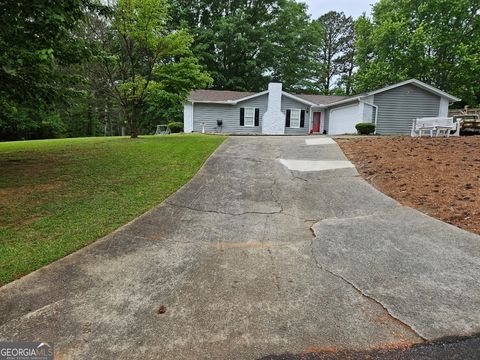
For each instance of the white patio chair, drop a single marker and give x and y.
(421, 126)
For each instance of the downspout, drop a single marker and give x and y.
(376, 114)
(192, 117)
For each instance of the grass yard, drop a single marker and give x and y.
(57, 196)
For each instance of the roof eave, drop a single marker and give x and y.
(291, 96)
(452, 98)
(344, 101)
(251, 96)
(228, 102)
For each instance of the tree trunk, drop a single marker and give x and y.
(90, 129)
(133, 125)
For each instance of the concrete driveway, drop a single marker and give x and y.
(258, 255)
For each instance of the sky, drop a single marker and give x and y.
(353, 8)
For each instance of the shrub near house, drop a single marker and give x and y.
(365, 128)
(175, 127)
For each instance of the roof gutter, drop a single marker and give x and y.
(228, 102)
(344, 101)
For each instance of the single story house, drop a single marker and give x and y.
(274, 112)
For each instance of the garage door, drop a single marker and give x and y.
(342, 120)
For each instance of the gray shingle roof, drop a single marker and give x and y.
(217, 95)
(321, 99)
(225, 95)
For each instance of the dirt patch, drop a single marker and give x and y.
(14, 195)
(28, 165)
(438, 176)
(26, 198)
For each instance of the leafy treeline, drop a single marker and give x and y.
(36, 49)
(91, 67)
(436, 41)
(245, 44)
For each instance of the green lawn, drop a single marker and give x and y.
(57, 196)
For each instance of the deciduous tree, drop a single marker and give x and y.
(245, 44)
(38, 42)
(141, 46)
(435, 41)
(291, 46)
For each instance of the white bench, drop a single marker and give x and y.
(435, 126)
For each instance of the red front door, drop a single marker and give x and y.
(316, 121)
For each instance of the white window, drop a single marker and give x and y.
(295, 118)
(249, 119)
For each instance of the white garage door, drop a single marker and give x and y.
(342, 120)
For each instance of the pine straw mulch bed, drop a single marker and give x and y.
(438, 176)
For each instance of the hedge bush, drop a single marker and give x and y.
(175, 127)
(365, 128)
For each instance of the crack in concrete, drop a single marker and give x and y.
(272, 195)
(310, 223)
(225, 212)
(358, 290)
(294, 176)
(299, 178)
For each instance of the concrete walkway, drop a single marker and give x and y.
(257, 255)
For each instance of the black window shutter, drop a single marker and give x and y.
(287, 118)
(242, 116)
(302, 118)
(257, 117)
